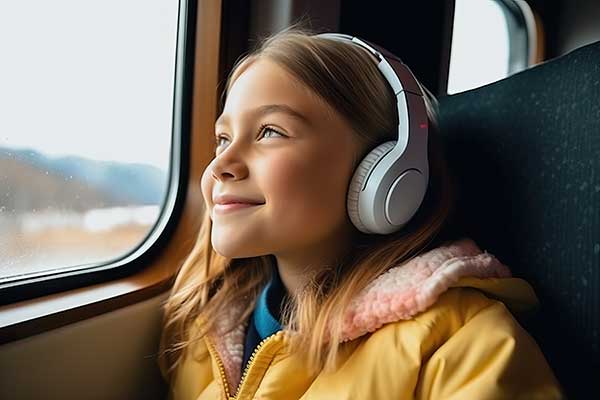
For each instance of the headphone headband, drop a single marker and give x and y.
(391, 66)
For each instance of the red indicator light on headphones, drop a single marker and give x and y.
(423, 126)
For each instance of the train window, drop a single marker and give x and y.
(490, 40)
(86, 130)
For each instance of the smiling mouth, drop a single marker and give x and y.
(224, 208)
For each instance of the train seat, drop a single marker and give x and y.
(526, 155)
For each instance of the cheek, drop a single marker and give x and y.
(206, 184)
(308, 189)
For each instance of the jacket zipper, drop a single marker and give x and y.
(251, 360)
(221, 366)
(215, 354)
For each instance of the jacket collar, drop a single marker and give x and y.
(398, 294)
(408, 289)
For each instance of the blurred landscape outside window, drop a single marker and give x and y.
(86, 104)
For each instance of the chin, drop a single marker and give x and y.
(230, 250)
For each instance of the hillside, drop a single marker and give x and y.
(31, 181)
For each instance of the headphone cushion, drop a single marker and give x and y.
(358, 180)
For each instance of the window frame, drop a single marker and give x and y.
(523, 39)
(35, 305)
(21, 287)
(522, 34)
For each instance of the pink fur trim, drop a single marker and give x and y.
(406, 290)
(230, 345)
(398, 294)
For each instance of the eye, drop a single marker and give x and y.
(265, 128)
(218, 140)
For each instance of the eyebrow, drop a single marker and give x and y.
(270, 109)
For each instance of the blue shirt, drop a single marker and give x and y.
(266, 318)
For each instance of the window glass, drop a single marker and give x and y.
(480, 45)
(85, 134)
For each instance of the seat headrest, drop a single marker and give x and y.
(525, 152)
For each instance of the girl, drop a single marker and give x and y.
(283, 297)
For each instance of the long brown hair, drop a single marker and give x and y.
(347, 78)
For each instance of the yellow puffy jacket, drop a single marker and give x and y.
(447, 334)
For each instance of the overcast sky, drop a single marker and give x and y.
(90, 78)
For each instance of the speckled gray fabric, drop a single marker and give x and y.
(526, 154)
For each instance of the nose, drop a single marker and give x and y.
(228, 166)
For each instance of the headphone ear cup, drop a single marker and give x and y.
(358, 180)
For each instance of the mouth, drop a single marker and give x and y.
(231, 207)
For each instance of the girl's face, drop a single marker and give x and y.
(280, 145)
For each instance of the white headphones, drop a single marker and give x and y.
(389, 184)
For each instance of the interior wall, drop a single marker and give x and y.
(567, 24)
(112, 356)
(579, 24)
(417, 32)
(269, 16)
